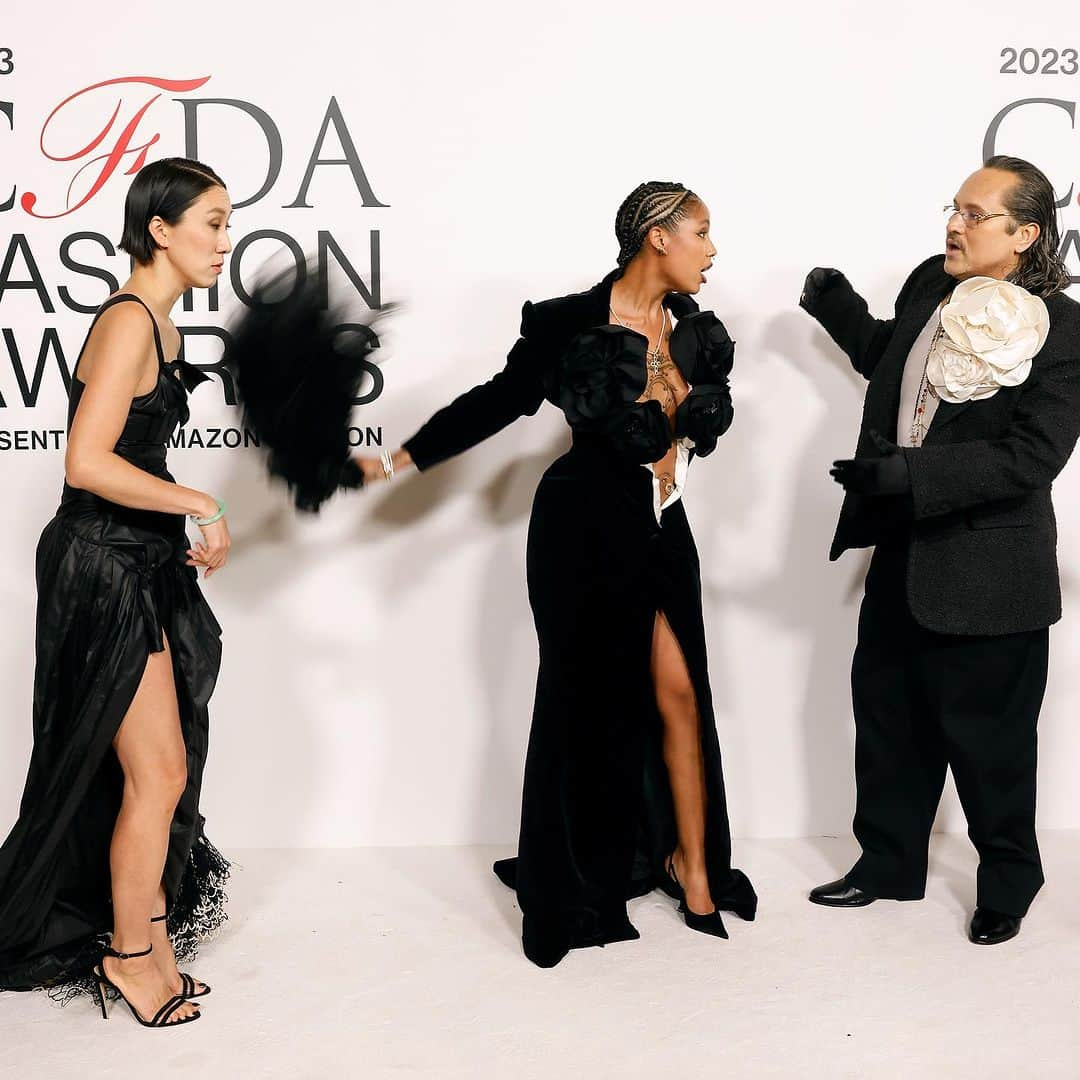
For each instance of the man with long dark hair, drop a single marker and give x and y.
(972, 410)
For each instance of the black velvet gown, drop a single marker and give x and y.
(597, 819)
(111, 582)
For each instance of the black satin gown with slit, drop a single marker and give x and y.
(112, 587)
(597, 818)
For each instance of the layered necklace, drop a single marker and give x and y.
(654, 358)
(654, 361)
(926, 389)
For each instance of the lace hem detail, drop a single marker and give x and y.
(196, 916)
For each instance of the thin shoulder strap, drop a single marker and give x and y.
(119, 299)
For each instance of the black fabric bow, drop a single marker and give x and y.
(188, 374)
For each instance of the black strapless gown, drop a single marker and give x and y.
(111, 584)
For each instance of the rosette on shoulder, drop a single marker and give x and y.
(992, 331)
(704, 415)
(602, 371)
(957, 375)
(298, 364)
(702, 348)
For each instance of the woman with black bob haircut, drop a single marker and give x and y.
(624, 790)
(107, 861)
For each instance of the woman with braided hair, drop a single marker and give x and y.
(624, 790)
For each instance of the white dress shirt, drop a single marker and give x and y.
(683, 447)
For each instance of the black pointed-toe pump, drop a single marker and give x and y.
(712, 923)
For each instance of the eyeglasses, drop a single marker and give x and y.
(972, 218)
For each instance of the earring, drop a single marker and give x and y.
(661, 251)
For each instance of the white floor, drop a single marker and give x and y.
(380, 963)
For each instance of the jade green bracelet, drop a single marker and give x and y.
(212, 518)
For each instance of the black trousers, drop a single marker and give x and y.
(923, 702)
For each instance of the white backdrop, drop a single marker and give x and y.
(379, 660)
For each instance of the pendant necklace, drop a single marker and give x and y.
(654, 358)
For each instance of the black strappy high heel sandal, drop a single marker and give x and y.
(712, 923)
(187, 982)
(160, 1019)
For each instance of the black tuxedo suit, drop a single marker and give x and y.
(950, 665)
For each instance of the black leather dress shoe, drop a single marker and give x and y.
(992, 927)
(840, 894)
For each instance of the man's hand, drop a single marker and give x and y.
(818, 281)
(886, 475)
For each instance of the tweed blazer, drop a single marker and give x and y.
(982, 538)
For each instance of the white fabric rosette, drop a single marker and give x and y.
(992, 330)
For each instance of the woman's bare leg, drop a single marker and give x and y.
(163, 950)
(151, 750)
(678, 707)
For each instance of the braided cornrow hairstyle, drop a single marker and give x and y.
(655, 203)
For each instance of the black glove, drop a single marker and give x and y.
(818, 281)
(886, 475)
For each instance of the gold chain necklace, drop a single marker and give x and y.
(654, 358)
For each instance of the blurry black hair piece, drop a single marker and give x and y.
(298, 364)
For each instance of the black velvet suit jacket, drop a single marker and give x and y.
(522, 385)
(982, 557)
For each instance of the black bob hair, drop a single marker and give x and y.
(163, 189)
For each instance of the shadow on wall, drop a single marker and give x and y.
(801, 599)
(260, 726)
(504, 644)
(275, 677)
(798, 595)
